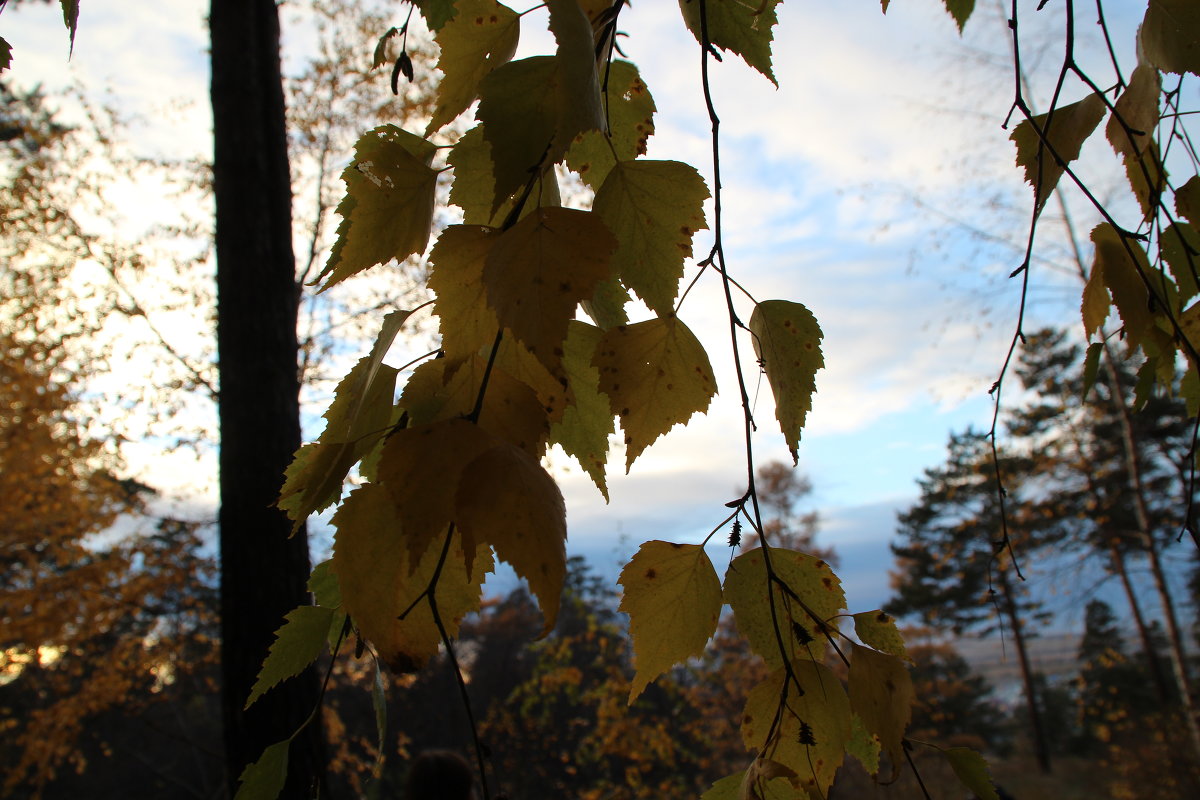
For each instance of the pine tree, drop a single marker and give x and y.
(954, 569)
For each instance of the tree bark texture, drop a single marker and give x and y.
(263, 571)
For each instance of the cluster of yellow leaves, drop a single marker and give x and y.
(75, 618)
(803, 719)
(453, 466)
(453, 469)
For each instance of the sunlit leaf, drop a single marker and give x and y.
(809, 732)
(743, 27)
(673, 598)
(387, 212)
(629, 109)
(1137, 109)
(863, 745)
(809, 579)
(379, 583)
(481, 36)
(356, 419)
(507, 500)
(468, 324)
(787, 340)
(1095, 304)
(654, 208)
(656, 375)
(877, 629)
(298, 643)
(1064, 132)
(421, 468)
(538, 271)
(587, 423)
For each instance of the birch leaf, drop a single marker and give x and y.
(481, 36)
(654, 208)
(961, 10)
(518, 106)
(881, 694)
(877, 629)
(809, 578)
(387, 212)
(264, 779)
(379, 582)
(673, 598)
(972, 770)
(1120, 275)
(743, 27)
(787, 340)
(507, 500)
(629, 109)
(813, 729)
(1170, 35)
(468, 324)
(1067, 130)
(1180, 246)
(421, 468)
(587, 423)
(298, 643)
(656, 375)
(539, 270)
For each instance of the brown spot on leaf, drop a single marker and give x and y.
(651, 574)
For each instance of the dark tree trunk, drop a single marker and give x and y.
(263, 571)
(1037, 729)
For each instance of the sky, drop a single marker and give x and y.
(852, 188)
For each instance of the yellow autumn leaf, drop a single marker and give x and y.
(578, 102)
(518, 106)
(587, 423)
(379, 582)
(505, 499)
(673, 598)
(809, 732)
(1065, 130)
(420, 468)
(743, 27)
(654, 208)
(787, 340)
(539, 270)
(656, 375)
(1130, 131)
(467, 323)
(481, 36)
(972, 771)
(881, 694)
(629, 109)
(387, 212)
(1120, 263)
(808, 578)
(877, 629)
